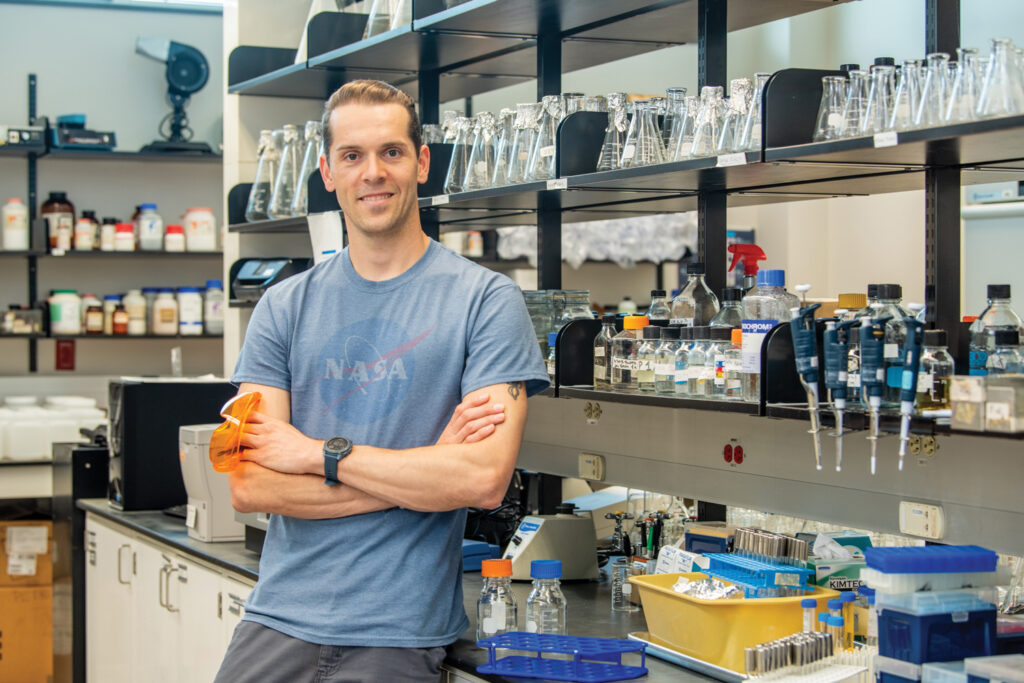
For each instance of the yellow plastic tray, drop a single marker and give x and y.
(717, 631)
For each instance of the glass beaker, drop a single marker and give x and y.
(645, 147)
(460, 156)
(503, 146)
(313, 135)
(1002, 93)
(878, 113)
(935, 91)
(449, 124)
(750, 135)
(681, 137)
(855, 105)
(907, 97)
(268, 151)
(480, 167)
(963, 93)
(614, 134)
(622, 589)
(709, 122)
(287, 174)
(524, 135)
(675, 106)
(735, 115)
(541, 164)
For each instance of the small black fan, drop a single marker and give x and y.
(187, 72)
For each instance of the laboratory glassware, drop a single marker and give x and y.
(496, 609)
(614, 134)
(603, 352)
(890, 297)
(732, 370)
(546, 606)
(664, 361)
(721, 343)
(750, 135)
(287, 174)
(595, 103)
(541, 165)
(572, 102)
(934, 92)
(449, 124)
(503, 147)
(856, 104)
(624, 353)
(524, 135)
(313, 135)
(622, 589)
(646, 353)
(460, 156)
(963, 93)
(1002, 92)
(695, 304)
(401, 13)
(480, 167)
(730, 314)
(709, 122)
(998, 315)
(681, 361)
(907, 97)
(700, 378)
(268, 150)
(675, 106)
(878, 113)
(735, 116)
(644, 147)
(830, 111)
(659, 312)
(433, 133)
(1006, 357)
(681, 136)
(379, 19)
(936, 373)
(764, 307)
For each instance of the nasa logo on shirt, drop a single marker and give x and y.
(366, 369)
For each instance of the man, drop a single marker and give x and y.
(361, 580)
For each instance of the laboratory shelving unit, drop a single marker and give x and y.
(669, 444)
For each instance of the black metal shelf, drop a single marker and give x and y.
(658, 400)
(272, 225)
(96, 253)
(21, 151)
(123, 337)
(30, 252)
(117, 155)
(236, 303)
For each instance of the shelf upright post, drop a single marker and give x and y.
(711, 205)
(429, 111)
(942, 198)
(549, 203)
(33, 266)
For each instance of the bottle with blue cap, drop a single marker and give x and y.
(809, 605)
(546, 606)
(764, 307)
(150, 228)
(213, 307)
(552, 339)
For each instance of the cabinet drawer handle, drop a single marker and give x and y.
(120, 562)
(170, 571)
(237, 604)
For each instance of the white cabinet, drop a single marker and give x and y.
(108, 604)
(156, 615)
(234, 593)
(200, 602)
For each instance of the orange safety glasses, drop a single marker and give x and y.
(225, 444)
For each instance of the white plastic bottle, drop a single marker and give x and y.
(65, 312)
(165, 314)
(213, 307)
(190, 311)
(135, 306)
(110, 304)
(763, 308)
(151, 229)
(200, 229)
(14, 217)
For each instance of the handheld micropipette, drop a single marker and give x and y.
(805, 349)
(872, 374)
(836, 350)
(908, 383)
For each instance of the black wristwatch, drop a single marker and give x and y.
(334, 450)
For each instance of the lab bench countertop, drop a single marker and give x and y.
(589, 612)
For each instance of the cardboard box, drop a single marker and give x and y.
(26, 634)
(839, 575)
(26, 553)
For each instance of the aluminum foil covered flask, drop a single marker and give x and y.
(614, 133)
(313, 135)
(542, 157)
(524, 136)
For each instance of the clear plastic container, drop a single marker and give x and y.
(213, 307)
(603, 353)
(696, 304)
(151, 229)
(496, 609)
(546, 606)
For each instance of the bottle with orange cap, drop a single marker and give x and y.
(625, 365)
(496, 610)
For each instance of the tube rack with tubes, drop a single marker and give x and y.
(770, 547)
(760, 578)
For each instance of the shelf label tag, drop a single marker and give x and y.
(439, 199)
(558, 183)
(57, 252)
(737, 159)
(886, 139)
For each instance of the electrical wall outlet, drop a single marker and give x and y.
(922, 520)
(591, 467)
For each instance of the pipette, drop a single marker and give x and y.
(872, 374)
(908, 382)
(805, 349)
(836, 343)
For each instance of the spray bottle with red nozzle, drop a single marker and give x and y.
(749, 254)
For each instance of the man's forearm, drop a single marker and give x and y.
(258, 489)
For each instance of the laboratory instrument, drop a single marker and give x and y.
(564, 536)
(805, 350)
(836, 351)
(69, 132)
(872, 375)
(209, 514)
(250, 277)
(908, 386)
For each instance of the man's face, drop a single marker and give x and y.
(374, 169)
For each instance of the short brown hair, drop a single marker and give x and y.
(370, 92)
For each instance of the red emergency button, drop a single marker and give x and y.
(727, 452)
(737, 455)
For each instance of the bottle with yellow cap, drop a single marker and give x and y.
(496, 610)
(625, 365)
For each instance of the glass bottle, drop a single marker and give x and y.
(709, 122)
(546, 605)
(963, 93)
(646, 353)
(764, 307)
(890, 297)
(681, 136)
(496, 609)
(643, 146)
(552, 355)
(699, 377)
(730, 314)
(935, 373)
(675, 107)
(856, 104)
(735, 116)
(460, 156)
(314, 138)
(998, 315)
(503, 147)
(480, 167)
(879, 108)
(603, 353)
(379, 19)
(665, 361)
(721, 343)
(614, 134)
(287, 174)
(572, 102)
(750, 135)
(541, 164)
(830, 111)
(1006, 357)
(524, 135)
(624, 363)
(696, 304)
(682, 358)
(659, 312)
(449, 124)
(268, 151)
(1002, 92)
(934, 92)
(732, 370)
(595, 103)
(908, 96)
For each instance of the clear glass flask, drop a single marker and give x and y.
(855, 105)
(268, 151)
(660, 311)
(546, 606)
(603, 352)
(681, 136)
(595, 103)
(460, 156)
(401, 13)
(480, 167)
(379, 19)
(614, 134)
(878, 113)
(572, 102)
(735, 116)
(963, 93)
(313, 135)
(524, 135)
(287, 174)
(695, 304)
(934, 92)
(503, 147)
(1002, 92)
(682, 359)
(908, 96)
(709, 122)
(645, 148)
(700, 377)
(624, 363)
(731, 312)
(675, 106)
(449, 124)
(541, 164)
(750, 135)
(830, 111)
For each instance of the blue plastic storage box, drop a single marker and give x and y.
(889, 670)
(936, 637)
(931, 559)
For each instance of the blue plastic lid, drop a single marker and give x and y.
(214, 284)
(866, 591)
(836, 621)
(188, 290)
(148, 206)
(835, 603)
(771, 278)
(166, 290)
(931, 559)
(111, 297)
(808, 603)
(546, 569)
(552, 338)
(823, 617)
(847, 596)
(151, 290)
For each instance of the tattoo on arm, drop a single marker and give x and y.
(514, 389)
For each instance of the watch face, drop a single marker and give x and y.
(338, 444)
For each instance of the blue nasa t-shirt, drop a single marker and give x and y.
(384, 364)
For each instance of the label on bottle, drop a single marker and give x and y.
(664, 369)
(551, 368)
(887, 139)
(599, 351)
(925, 382)
(630, 364)
(491, 624)
(685, 322)
(754, 332)
(891, 351)
(835, 120)
(719, 369)
(681, 376)
(644, 365)
(548, 151)
(853, 380)
(600, 372)
(628, 152)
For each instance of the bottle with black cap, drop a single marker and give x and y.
(659, 312)
(999, 315)
(603, 352)
(696, 304)
(646, 354)
(1005, 358)
(934, 374)
(731, 313)
(890, 296)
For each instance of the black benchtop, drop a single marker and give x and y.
(589, 602)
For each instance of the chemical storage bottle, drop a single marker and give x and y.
(1005, 358)
(496, 610)
(213, 307)
(665, 361)
(646, 353)
(14, 218)
(550, 360)
(696, 304)
(731, 313)
(627, 306)
(135, 306)
(721, 342)
(624, 363)
(697, 375)
(935, 373)
(682, 359)
(546, 606)
(890, 296)
(733, 366)
(603, 352)
(150, 229)
(659, 311)
(999, 314)
(164, 314)
(763, 308)
(853, 354)
(59, 215)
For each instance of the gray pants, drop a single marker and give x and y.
(258, 654)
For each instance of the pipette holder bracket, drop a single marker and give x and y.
(789, 108)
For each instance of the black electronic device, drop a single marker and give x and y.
(71, 133)
(22, 137)
(250, 277)
(187, 72)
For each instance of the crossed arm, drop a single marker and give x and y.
(470, 465)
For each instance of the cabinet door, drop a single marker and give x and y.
(202, 640)
(156, 653)
(108, 607)
(234, 593)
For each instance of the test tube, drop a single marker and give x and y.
(872, 634)
(823, 622)
(835, 607)
(835, 629)
(810, 605)
(848, 598)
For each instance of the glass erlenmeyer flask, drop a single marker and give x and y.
(379, 20)
(401, 13)
(432, 133)
(541, 165)
(287, 174)
(735, 115)
(313, 135)
(709, 122)
(907, 97)
(646, 147)
(878, 113)
(596, 103)
(449, 125)
(268, 151)
(681, 137)
(460, 156)
(934, 92)
(572, 102)
(524, 134)
(963, 93)
(480, 168)
(855, 105)
(503, 146)
(750, 135)
(675, 106)
(614, 134)
(1002, 93)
